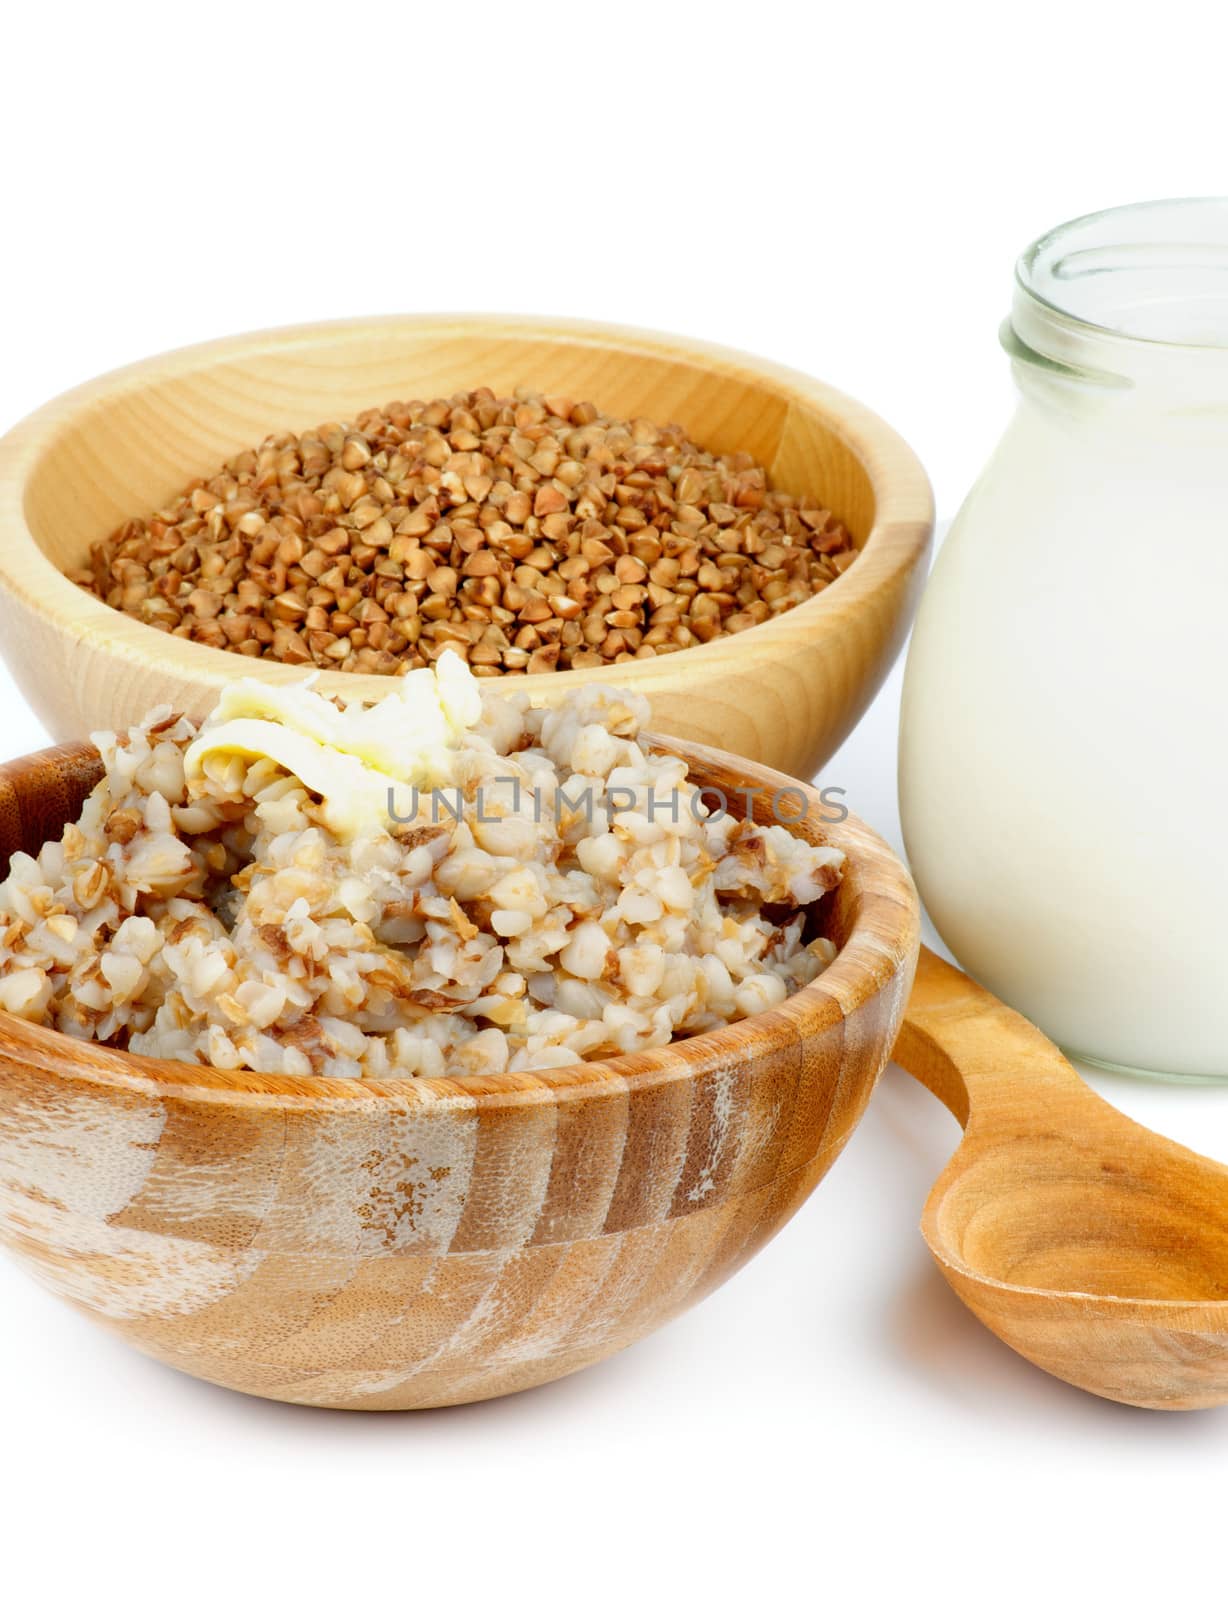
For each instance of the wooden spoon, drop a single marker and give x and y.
(1094, 1248)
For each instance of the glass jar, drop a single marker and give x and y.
(1064, 754)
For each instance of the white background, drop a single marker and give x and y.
(844, 191)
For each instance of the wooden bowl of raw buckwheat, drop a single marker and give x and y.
(740, 542)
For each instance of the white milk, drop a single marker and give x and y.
(1064, 744)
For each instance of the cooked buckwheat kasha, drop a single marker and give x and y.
(539, 888)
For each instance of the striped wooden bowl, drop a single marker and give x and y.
(394, 1245)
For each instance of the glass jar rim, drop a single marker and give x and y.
(1126, 294)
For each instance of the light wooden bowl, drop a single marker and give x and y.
(394, 1245)
(785, 693)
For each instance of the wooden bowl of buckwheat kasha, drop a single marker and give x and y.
(556, 502)
(389, 1118)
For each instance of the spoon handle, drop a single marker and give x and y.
(977, 1055)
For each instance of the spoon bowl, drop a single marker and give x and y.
(1094, 1248)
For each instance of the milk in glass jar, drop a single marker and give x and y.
(1064, 742)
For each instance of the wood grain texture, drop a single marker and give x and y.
(1093, 1247)
(391, 1245)
(786, 693)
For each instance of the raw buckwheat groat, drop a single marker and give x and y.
(443, 883)
(530, 534)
